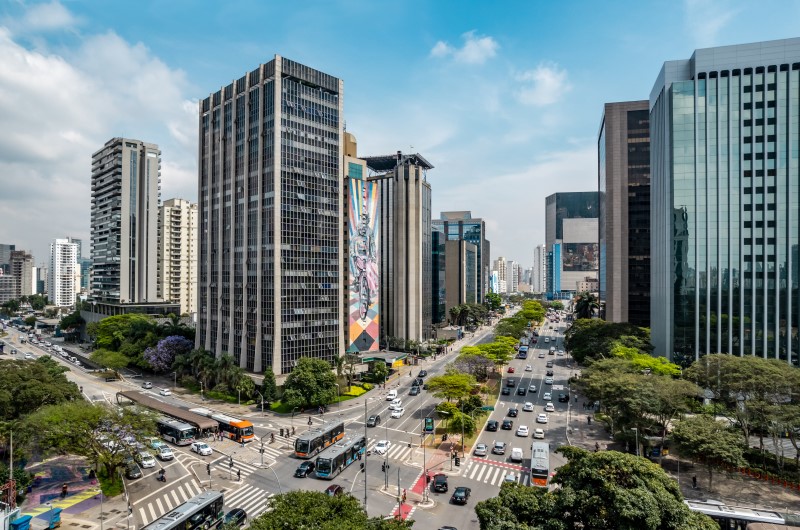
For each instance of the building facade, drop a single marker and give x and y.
(501, 266)
(623, 177)
(571, 220)
(461, 225)
(126, 180)
(461, 276)
(512, 276)
(8, 287)
(64, 273)
(725, 138)
(21, 263)
(5, 257)
(270, 276)
(177, 271)
(539, 270)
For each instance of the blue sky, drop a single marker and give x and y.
(503, 98)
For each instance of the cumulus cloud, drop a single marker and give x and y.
(542, 86)
(44, 17)
(705, 19)
(476, 49)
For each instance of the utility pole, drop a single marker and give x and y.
(399, 492)
(366, 456)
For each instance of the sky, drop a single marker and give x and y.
(504, 99)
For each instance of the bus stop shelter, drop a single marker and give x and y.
(202, 423)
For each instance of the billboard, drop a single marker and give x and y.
(363, 263)
(580, 256)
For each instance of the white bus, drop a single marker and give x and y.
(734, 517)
(176, 431)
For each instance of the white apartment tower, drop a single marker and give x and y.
(65, 272)
(512, 276)
(177, 273)
(539, 271)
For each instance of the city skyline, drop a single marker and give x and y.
(507, 95)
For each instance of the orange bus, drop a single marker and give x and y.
(313, 441)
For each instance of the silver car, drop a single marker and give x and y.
(481, 450)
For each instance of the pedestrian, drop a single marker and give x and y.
(589, 420)
(64, 490)
(239, 475)
(292, 430)
(281, 432)
(596, 446)
(694, 482)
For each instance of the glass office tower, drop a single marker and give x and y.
(725, 138)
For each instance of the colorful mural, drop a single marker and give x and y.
(364, 295)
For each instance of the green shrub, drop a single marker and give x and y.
(366, 386)
(355, 391)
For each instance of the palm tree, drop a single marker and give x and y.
(226, 370)
(455, 312)
(586, 305)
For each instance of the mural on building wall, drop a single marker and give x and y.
(581, 257)
(364, 295)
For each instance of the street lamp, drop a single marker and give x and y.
(634, 429)
(262, 401)
(175, 384)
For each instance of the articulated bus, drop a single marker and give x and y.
(337, 457)
(233, 428)
(176, 431)
(540, 464)
(315, 440)
(738, 518)
(201, 512)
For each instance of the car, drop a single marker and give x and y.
(398, 412)
(563, 398)
(154, 443)
(507, 425)
(334, 490)
(382, 446)
(147, 384)
(560, 352)
(422, 373)
(541, 418)
(396, 404)
(165, 453)
(549, 373)
(392, 395)
(440, 483)
(541, 355)
(304, 469)
(165, 392)
(549, 364)
(527, 407)
(418, 381)
(28, 356)
(491, 425)
(145, 459)
(528, 368)
(547, 339)
(552, 351)
(506, 391)
(425, 386)
(374, 420)
(480, 450)
(549, 407)
(499, 448)
(510, 477)
(513, 412)
(532, 388)
(237, 517)
(547, 396)
(538, 434)
(201, 448)
(460, 495)
(548, 380)
(133, 471)
(13, 351)
(511, 383)
(521, 391)
(414, 391)
(511, 369)
(522, 430)
(516, 454)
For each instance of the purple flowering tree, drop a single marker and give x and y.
(163, 355)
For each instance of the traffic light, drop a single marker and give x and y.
(383, 467)
(458, 461)
(444, 437)
(230, 461)
(362, 467)
(208, 469)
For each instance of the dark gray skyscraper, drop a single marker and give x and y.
(270, 212)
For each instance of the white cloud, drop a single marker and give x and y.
(44, 17)
(476, 49)
(542, 86)
(705, 19)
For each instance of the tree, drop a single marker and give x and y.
(174, 326)
(38, 301)
(315, 509)
(10, 307)
(110, 359)
(30, 321)
(708, 440)
(452, 385)
(596, 339)
(476, 364)
(493, 301)
(27, 386)
(585, 305)
(71, 322)
(461, 422)
(455, 314)
(379, 371)
(269, 389)
(603, 490)
(114, 331)
(311, 383)
(163, 355)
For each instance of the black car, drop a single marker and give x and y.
(374, 420)
(460, 495)
(440, 483)
(513, 412)
(418, 381)
(549, 373)
(414, 391)
(334, 490)
(425, 386)
(422, 373)
(304, 469)
(491, 425)
(506, 391)
(133, 471)
(511, 382)
(563, 398)
(236, 516)
(521, 391)
(508, 425)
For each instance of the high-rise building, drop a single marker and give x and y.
(21, 263)
(512, 276)
(5, 257)
(270, 278)
(725, 137)
(539, 271)
(571, 221)
(42, 278)
(64, 272)
(461, 225)
(86, 271)
(405, 245)
(623, 178)
(461, 273)
(177, 272)
(126, 183)
(8, 287)
(501, 267)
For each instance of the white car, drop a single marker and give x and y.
(382, 446)
(165, 392)
(396, 404)
(391, 395)
(547, 396)
(532, 388)
(146, 460)
(28, 356)
(480, 450)
(560, 352)
(528, 368)
(398, 412)
(165, 453)
(538, 434)
(541, 418)
(522, 430)
(527, 407)
(541, 355)
(548, 380)
(202, 448)
(147, 384)
(549, 407)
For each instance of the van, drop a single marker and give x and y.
(392, 395)
(516, 454)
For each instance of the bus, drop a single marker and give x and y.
(540, 464)
(176, 431)
(315, 440)
(735, 517)
(201, 512)
(523, 352)
(240, 431)
(337, 457)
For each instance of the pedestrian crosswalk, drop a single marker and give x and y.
(252, 499)
(244, 469)
(492, 475)
(158, 503)
(397, 451)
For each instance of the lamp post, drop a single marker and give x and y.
(201, 392)
(293, 411)
(634, 429)
(175, 381)
(366, 455)
(262, 401)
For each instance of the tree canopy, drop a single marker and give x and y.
(493, 301)
(162, 356)
(26, 386)
(590, 339)
(708, 440)
(451, 385)
(603, 490)
(311, 383)
(586, 304)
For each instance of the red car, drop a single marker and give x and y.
(511, 369)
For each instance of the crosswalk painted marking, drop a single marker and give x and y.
(149, 512)
(251, 499)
